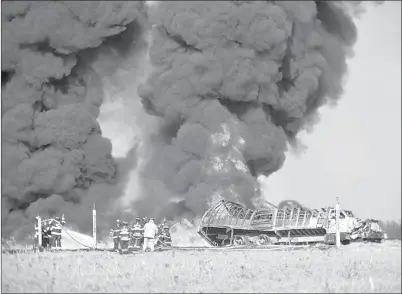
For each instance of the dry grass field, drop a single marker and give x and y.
(353, 268)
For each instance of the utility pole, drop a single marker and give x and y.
(39, 231)
(338, 234)
(94, 245)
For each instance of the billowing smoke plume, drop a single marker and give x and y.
(54, 158)
(235, 81)
(290, 204)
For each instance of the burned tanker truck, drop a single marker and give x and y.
(232, 224)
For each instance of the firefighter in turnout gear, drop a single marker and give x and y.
(115, 234)
(46, 234)
(37, 233)
(165, 239)
(161, 226)
(63, 220)
(56, 233)
(150, 231)
(137, 234)
(124, 237)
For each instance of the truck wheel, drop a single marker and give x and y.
(345, 242)
(239, 240)
(263, 240)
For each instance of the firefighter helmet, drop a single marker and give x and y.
(57, 218)
(165, 227)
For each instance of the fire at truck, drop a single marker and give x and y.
(229, 223)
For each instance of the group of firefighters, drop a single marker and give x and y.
(50, 232)
(143, 234)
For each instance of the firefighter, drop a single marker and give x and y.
(116, 235)
(124, 237)
(36, 238)
(63, 220)
(46, 234)
(161, 226)
(165, 238)
(150, 231)
(56, 232)
(144, 221)
(137, 234)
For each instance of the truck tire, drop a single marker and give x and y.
(263, 240)
(239, 241)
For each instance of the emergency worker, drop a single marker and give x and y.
(165, 238)
(150, 231)
(137, 233)
(124, 237)
(56, 232)
(46, 234)
(36, 238)
(161, 226)
(144, 221)
(63, 220)
(116, 235)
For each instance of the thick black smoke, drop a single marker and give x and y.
(54, 158)
(235, 81)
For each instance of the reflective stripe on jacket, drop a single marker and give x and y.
(116, 232)
(137, 230)
(124, 234)
(56, 229)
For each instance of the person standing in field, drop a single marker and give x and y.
(56, 233)
(137, 233)
(144, 220)
(116, 235)
(124, 237)
(46, 234)
(150, 231)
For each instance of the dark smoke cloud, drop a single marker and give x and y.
(236, 81)
(54, 158)
(291, 204)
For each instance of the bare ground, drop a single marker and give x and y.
(353, 268)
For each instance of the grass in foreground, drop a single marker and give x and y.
(354, 268)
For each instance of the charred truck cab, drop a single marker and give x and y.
(229, 223)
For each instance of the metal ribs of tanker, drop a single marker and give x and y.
(229, 221)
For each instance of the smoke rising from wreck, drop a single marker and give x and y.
(235, 81)
(232, 83)
(55, 57)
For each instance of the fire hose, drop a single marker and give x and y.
(75, 239)
(159, 239)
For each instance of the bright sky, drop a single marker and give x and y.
(355, 151)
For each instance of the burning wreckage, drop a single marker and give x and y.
(243, 77)
(232, 224)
